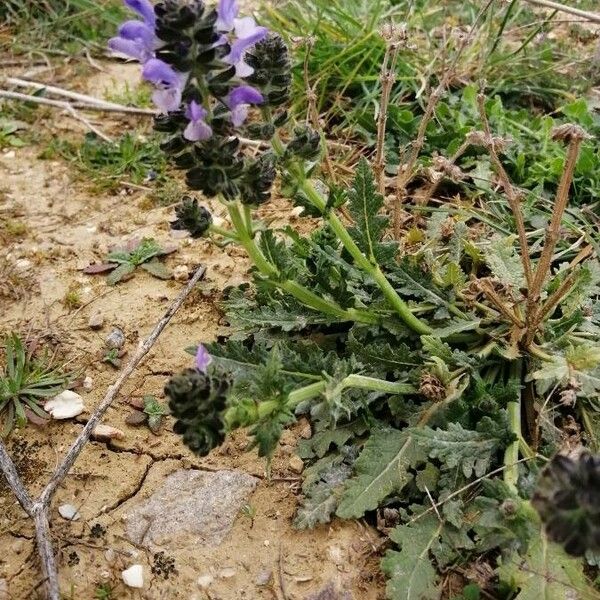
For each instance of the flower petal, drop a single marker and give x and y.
(227, 11)
(239, 114)
(136, 30)
(195, 111)
(128, 48)
(239, 46)
(167, 99)
(144, 8)
(159, 72)
(203, 359)
(245, 27)
(244, 94)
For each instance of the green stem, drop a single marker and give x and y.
(363, 262)
(226, 233)
(301, 293)
(511, 454)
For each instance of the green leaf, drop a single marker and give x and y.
(412, 576)
(317, 508)
(365, 204)
(455, 447)
(545, 573)
(381, 469)
(504, 262)
(157, 269)
(120, 273)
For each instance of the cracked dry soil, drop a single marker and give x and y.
(67, 227)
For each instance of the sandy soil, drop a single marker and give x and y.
(68, 226)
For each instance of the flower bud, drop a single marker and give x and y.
(192, 217)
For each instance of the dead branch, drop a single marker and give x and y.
(589, 16)
(38, 509)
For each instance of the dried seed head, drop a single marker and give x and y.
(441, 163)
(431, 387)
(569, 133)
(394, 33)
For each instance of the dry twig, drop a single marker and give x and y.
(38, 509)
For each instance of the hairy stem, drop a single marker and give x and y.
(511, 454)
(298, 291)
(372, 269)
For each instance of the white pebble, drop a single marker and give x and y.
(68, 512)
(181, 273)
(66, 405)
(205, 581)
(133, 577)
(88, 383)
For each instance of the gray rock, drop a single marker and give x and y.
(330, 592)
(264, 577)
(115, 340)
(190, 508)
(96, 321)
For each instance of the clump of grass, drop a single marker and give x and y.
(139, 95)
(130, 159)
(72, 298)
(58, 26)
(26, 382)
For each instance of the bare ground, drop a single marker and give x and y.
(67, 227)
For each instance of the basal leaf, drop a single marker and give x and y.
(412, 576)
(455, 447)
(546, 573)
(365, 204)
(120, 273)
(381, 469)
(503, 261)
(157, 269)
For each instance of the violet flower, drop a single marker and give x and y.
(136, 39)
(203, 359)
(197, 129)
(246, 31)
(169, 83)
(239, 99)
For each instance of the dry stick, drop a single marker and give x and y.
(387, 78)
(57, 91)
(38, 510)
(589, 16)
(81, 105)
(509, 190)
(558, 209)
(406, 172)
(496, 300)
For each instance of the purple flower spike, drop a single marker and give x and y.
(203, 359)
(238, 101)
(145, 9)
(227, 11)
(197, 129)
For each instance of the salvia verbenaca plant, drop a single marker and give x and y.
(442, 356)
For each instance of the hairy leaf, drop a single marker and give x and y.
(412, 576)
(381, 469)
(365, 204)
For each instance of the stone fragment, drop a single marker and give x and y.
(68, 512)
(190, 508)
(65, 405)
(133, 577)
(96, 321)
(115, 339)
(296, 464)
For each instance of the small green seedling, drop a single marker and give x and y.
(122, 262)
(151, 415)
(113, 357)
(25, 383)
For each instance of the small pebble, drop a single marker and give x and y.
(296, 465)
(96, 321)
(227, 573)
(88, 383)
(65, 405)
(68, 512)
(181, 273)
(133, 577)
(264, 577)
(115, 340)
(106, 432)
(205, 581)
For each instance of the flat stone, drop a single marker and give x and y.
(65, 405)
(190, 508)
(133, 577)
(96, 321)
